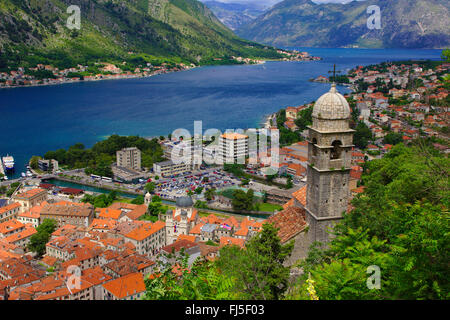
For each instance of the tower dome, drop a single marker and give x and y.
(331, 106)
(184, 202)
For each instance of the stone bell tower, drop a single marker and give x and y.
(329, 162)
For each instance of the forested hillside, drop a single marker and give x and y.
(135, 31)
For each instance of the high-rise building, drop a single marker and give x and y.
(129, 158)
(233, 148)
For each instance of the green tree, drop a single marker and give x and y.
(362, 135)
(242, 201)
(138, 200)
(39, 240)
(393, 138)
(400, 223)
(150, 187)
(261, 272)
(34, 162)
(204, 281)
(210, 193)
(304, 118)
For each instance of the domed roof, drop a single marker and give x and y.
(184, 202)
(331, 106)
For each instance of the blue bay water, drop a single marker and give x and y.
(37, 119)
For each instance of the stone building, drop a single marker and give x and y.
(180, 220)
(30, 198)
(329, 163)
(65, 212)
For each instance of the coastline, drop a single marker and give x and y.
(134, 76)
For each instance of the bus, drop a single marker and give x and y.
(107, 179)
(95, 177)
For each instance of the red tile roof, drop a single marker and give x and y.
(290, 222)
(125, 286)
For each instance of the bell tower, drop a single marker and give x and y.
(329, 163)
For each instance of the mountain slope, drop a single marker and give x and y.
(234, 15)
(404, 24)
(173, 30)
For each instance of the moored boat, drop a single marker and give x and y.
(8, 163)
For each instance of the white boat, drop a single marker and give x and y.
(23, 175)
(8, 163)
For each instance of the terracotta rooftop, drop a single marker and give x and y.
(10, 226)
(9, 207)
(225, 241)
(290, 222)
(125, 286)
(178, 245)
(300, 195)
(109, 213)
(29, 194)
(66, 208)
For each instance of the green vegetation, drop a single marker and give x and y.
(34, 162)
(200, 204)
(156, 207)
(39, 240)
(150, 187)
(400, 224)
(211, 243)
(304, 118)
(287, 137)
(210, 193)
(8, 192)
(262, 275)
(168, 32)
(100, 201)
(99, 158)
(362, 136)
(243, 201)
(138, 200)
(393, 138)
(269, 207)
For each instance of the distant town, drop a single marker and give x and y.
(50, 75)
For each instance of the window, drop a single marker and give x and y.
(314, 148)
(336, 151)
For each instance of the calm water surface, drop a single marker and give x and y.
(37, 119)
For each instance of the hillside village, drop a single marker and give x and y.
(397, 102)
(50, 75)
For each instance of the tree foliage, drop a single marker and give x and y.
(262, 275)
(39, 240)
(400, 224)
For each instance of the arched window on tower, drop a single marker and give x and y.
(314, 148)
(336, 151)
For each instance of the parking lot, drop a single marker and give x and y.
(176, 187)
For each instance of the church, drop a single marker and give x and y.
(319, 205)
